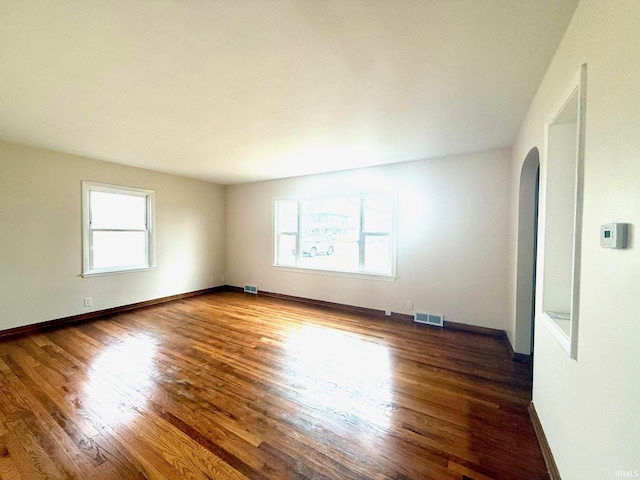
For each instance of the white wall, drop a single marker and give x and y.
(589, 407)
(453, 215)
(41, 240)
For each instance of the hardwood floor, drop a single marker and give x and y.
(228, 386)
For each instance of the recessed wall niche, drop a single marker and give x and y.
(563, 168)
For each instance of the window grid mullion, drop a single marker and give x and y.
(119, 229)
(361, 236)
(299, 226)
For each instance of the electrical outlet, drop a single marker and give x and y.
(409, 305)
(88, 302)
(387, 313)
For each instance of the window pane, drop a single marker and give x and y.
(329, 233)
(377, 214)
(331, 216)
(287, 216)
(286, 254)
(330, 253)
(119, 249)
(377, 256)
(118, 211)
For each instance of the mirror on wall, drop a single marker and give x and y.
(563, 171)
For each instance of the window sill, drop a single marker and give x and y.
(559, 326)
(100, 273)
(336, 273)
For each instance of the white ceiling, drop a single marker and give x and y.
(241, 90)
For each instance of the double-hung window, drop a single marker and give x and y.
(350, 233)
(118, 232)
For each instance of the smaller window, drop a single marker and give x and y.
(117, 228)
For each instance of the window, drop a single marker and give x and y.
(117, 228)
(351, 233)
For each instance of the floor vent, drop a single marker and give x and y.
(251, 289)
(429, 319)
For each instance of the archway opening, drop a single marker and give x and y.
(527, 252)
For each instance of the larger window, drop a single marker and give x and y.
(352, 233)
(117, 228)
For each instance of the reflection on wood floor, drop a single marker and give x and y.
(228, 386)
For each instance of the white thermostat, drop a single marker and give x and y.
(613, 235)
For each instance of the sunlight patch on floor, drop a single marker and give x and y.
(131, 364)
(341, 372)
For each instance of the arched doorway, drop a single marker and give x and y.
(527, 249)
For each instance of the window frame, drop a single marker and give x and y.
(361, 272)
(87, 238)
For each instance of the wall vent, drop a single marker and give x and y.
(251, 289)
(429, 319)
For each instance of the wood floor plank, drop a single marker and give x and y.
(50, 397)
(8, 470)
(20, 461)
(38, 452)
(58, 432)
(233, 386)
